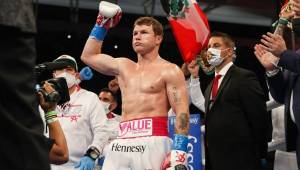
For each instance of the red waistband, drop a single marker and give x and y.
(150, 126)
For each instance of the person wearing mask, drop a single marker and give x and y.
(235, 112)
(109, 101)
(83, 120)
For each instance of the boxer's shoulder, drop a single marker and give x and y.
(169, 70)
(126, 64)
(125, 60)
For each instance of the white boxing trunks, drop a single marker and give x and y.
(142, 144)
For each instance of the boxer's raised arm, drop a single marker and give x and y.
(102, 63)
(109, 15)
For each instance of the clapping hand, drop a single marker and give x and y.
(273, 43)
(267, 59)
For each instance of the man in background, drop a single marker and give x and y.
(83, 120)
(109, 101)
(236, 115)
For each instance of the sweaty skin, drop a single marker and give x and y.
(149, 86)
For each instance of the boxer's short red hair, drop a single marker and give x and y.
(156, 25)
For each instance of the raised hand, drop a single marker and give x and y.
(185, 70)
(193, 68)
(273, 43)
(296, 8)
(109, 15)
(267, 59)
(286, 11)
(113, 85)
(86, 73)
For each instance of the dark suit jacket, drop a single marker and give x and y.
(23, 145)
(236, 125)
(281, 86)
(17, 14)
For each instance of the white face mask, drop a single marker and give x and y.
(215, 58)
(106, 106)
(78, 81)
(71, 79)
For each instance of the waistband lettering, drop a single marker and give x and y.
(121, 148)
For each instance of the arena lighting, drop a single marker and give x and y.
(116, 46)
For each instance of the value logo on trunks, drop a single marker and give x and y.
(135, 128)
(123, 148)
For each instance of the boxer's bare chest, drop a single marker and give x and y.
(144, 80)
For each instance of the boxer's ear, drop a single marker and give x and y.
(159, 39)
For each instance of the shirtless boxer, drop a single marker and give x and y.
(149, 87)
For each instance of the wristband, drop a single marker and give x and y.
(179, 151)
(98, 32)
(92, 152)
(180, 142)
(272, 72)
(51, 116)
(283, 21)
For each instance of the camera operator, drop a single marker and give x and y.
(83, 120)
(59, 151)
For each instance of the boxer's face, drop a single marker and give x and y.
(144, 39)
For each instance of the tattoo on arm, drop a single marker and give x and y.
(175, 94)
(183, 121)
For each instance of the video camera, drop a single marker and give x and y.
(61, 93)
